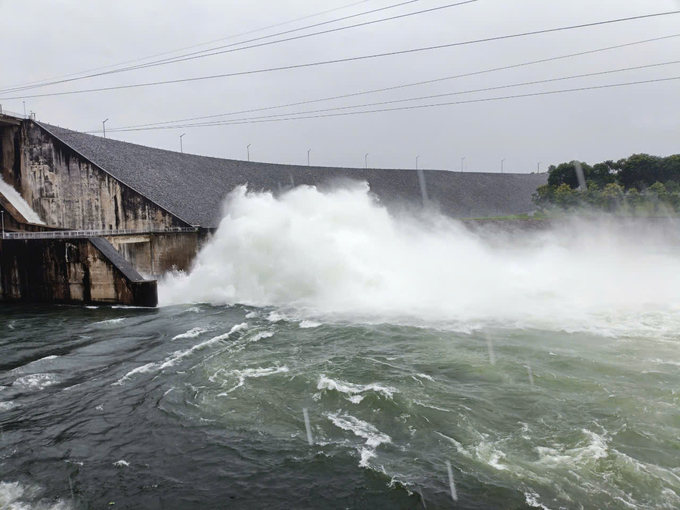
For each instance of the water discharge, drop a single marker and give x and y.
(19, 203)
(341, 255)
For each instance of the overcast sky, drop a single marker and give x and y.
(45, 39)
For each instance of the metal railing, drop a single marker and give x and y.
(13, 114)
(66, 234)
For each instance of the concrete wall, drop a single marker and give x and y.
(10, 153)
(68, 191)
(156, 254)
(70, 271)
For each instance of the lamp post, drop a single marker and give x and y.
(462, 164)
(248, 149)
(181, 145)
(310, 150)
(539, 166)
(104, 126)
(417, 157)
(366, 159)
(502, 163)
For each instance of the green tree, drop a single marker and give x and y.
(639, 171)
(657, 195)
(672, 186)
(674, 201)
(670, 168)
(603, 173)
(591, 197)
(612, 197)
(565, 197)
(633, 201)
(566, 173)
(544, 196)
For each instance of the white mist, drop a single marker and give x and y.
(341, 255)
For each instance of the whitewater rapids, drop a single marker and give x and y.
(342, 255)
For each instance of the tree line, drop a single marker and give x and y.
(639, 185)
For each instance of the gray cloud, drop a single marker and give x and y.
(69, 35)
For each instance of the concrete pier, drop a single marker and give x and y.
(72, 271)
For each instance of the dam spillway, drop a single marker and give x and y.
(77, 181)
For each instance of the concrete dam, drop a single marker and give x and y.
(116, 215)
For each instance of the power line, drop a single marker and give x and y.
(407, 85)
(19, 86)
(436, 105)
(350, 59)
(204, 54)
(421, 98)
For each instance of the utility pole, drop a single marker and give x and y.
(24, 108)
(462, 165)
(181, 145)
(502, 163)
(104, 126)
(310, 150)
(366, 159)
(248, 149)
(417, 162)
(3, 223)
(539, 166)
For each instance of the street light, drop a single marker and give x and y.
(181, 145)
(310, 150)
(539, 166)
(417, 162)
(366, 159)
(502, 162)
(248, 149)
(104, 126)
(462, 164)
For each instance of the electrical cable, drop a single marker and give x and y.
(350, 59)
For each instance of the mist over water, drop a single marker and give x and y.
(341, 255)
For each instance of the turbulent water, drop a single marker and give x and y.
(544, 368)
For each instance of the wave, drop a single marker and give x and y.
(365, 430)
(253, 373)
(35, 381)
(325, 383)
(192, 333)
(17, 496)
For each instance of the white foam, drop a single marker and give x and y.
(192, 333)
(307, 324)
(149, 367)
(16, 496)
(121, 463)
(340, 255)
(6, 406)
(19, 203)
(254, 373)
(23, 368)
(326, 383)
(591, 448)
(35, 381)
(532, 500)
(111, 321)
(365, 430)
(179, 355)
